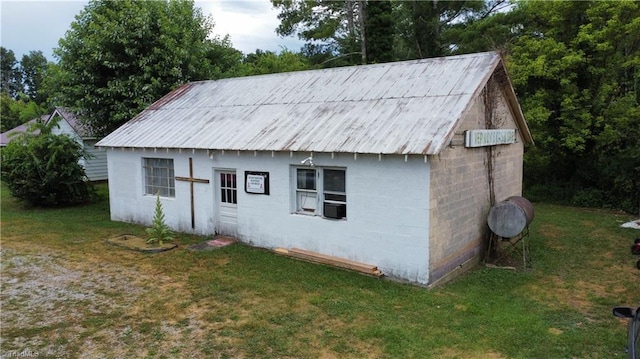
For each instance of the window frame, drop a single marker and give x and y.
(165, 184)
(320, 193)
(305, 192)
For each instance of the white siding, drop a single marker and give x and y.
(66, 129)
(96, 165)
(387, 205)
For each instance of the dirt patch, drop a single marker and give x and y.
(37, 290)
(553, 234)
(136, 243)
(54, 306)
(212, 244)
(457, 353)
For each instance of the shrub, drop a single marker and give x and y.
(159, 231)
(589, 197)
(42, 169)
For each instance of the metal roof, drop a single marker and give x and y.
(66, 115)
(7, 136)
(409, 107)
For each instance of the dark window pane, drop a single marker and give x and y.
(335, 197)
(306, 179)
(334, 180)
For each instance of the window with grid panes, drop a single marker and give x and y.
(159, 177)
(228, 188)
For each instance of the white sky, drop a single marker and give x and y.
(38, 25)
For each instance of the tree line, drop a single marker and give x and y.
(574, 66)
(21, 96)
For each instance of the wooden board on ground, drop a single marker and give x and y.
(330, 260)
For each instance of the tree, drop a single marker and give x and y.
(18, 111)
(359, 31)
(575, 68)
(34, 69)
(159, 231)
(11, 83)
(379, 28)
(424, 25)
(268, 62)
(335, 26)
(120, 56)
(492, 29)
(42, 169)
(10, 118)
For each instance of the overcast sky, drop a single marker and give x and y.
(38, 25)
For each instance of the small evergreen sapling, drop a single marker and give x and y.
(159, 231)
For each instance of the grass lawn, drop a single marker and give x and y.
(65, 293)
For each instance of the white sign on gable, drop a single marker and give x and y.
(482, 138)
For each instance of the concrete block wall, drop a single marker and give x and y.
(460, 196)
(508, 160)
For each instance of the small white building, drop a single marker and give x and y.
(95, 165)
(394, 164)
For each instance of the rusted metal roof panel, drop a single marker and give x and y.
(406, 107)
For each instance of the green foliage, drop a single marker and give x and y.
(315, 19)
(10, 118)
(42, 169)
(18, 111)
(335, 30)
(575, 67)
(22, 81)
(159, 231)
(267, 62)
(427, 22)
(11, 81)
(34, 69)
(379, 28)
(333, 27)
(120, 56)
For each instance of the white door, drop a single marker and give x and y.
(227, 201)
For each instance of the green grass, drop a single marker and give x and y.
(240, 301)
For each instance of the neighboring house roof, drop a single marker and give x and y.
(66, 115)
(7, 136)
(73, 121)
(409, 107)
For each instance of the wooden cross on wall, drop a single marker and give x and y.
(191, 181)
